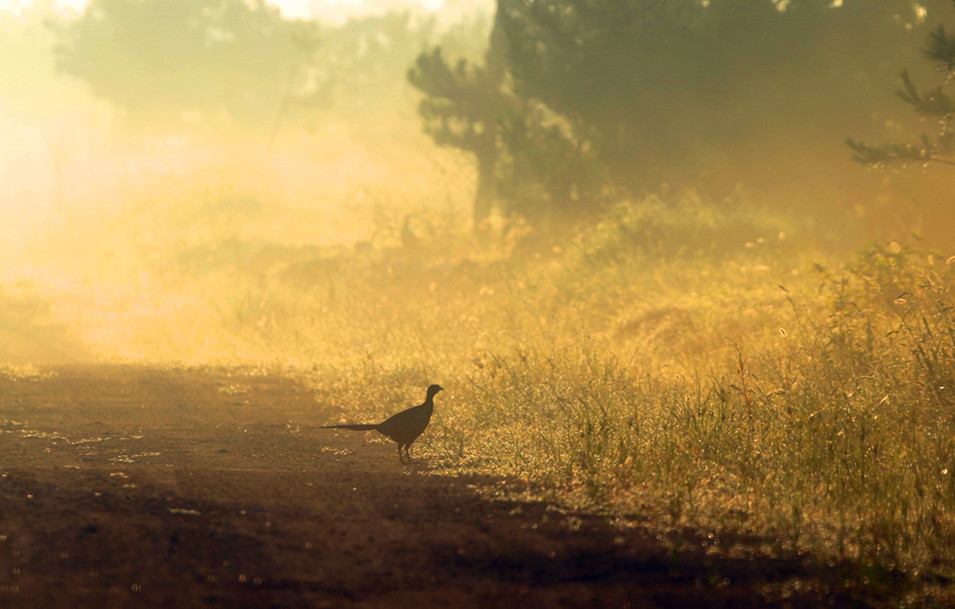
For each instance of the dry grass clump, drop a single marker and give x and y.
(836, 436)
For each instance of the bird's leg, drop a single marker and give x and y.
(408, 452)
(400, 456)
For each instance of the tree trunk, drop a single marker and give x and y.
(495, 62)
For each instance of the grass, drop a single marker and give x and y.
(681, 363)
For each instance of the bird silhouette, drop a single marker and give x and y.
(404, 427)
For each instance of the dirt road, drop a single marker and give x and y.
(137, 487)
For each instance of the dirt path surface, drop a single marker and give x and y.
(137, 487)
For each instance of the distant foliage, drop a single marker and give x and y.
(604, 100)
(658, 89)
(237, 60)
(151, 57)
(547, 173)
(362, 62)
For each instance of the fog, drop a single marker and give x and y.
(262, 189)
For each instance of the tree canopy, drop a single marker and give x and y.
(657, 86)
(621, 96)
(150, 56)
(235, 59)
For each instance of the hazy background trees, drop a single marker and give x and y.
(661, 88)
(563, 106)
(214, 60)
(167, 58)
(604, 100)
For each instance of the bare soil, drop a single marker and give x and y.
(128, 486)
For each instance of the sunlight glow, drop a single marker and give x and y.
(332, 10)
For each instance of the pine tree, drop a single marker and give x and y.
(934, 104)
(463, 106)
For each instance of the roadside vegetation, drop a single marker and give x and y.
(680, 363)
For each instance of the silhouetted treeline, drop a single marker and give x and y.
(610, 99)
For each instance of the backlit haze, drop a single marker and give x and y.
(333, 10)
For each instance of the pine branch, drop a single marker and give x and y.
(433, 76)
(889, 153)
(932, 103)
(940, 49)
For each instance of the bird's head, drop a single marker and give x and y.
(433, 389)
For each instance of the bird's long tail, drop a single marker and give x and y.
(353, 426)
